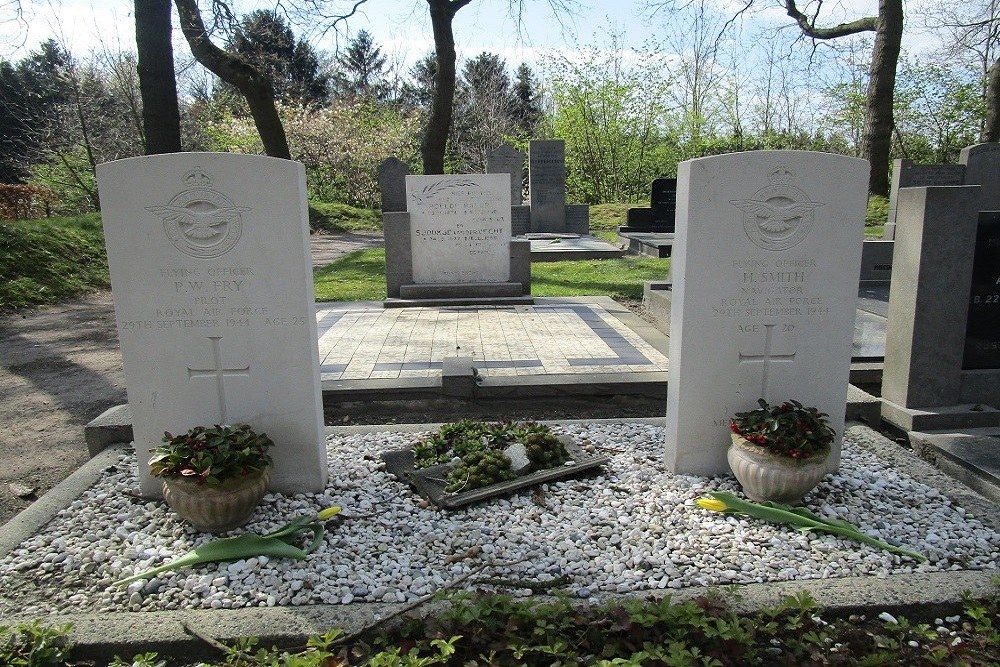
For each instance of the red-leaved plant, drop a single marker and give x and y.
(211, 454)
(788, 429)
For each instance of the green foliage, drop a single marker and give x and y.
(611, 118)
(878, 211)
(331, 217)
(480, 448)
(211, 454)
(478, 630)
(34, 645)
(342, 145)
(45, 261)
(789, 429)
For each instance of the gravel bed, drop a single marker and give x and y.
(631, 527)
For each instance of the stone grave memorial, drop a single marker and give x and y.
(547, 192)
(765, 287)
(453, 243)
(213, 292)
(942, 351)
(659, 217)
(978, 165)
(505, 159)
(392, 173)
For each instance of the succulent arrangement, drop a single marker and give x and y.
(476, 450)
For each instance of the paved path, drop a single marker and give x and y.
(364, 341)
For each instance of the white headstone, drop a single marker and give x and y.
(212, 283)
(765, 266)
(460, 228)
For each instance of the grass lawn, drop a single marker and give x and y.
(360, 276)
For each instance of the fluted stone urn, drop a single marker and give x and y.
(216, 509)
(766, 476)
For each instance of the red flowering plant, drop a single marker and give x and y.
(211, 454)
(788, 429)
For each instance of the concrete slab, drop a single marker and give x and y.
(564, 247)
(971, 456)
(652, 244)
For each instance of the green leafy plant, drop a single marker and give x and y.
(480, 446)
(211, 454)
(34, 645)
(788, 429)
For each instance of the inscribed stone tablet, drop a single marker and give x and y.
(460, 228)
(547, 185)
(766, 260)
(982, 331)
(212, 283)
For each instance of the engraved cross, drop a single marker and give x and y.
(219, 373)
(765, 358)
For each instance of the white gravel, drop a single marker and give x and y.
(631, 527)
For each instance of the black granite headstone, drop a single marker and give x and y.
(663, 201)
(982, 329)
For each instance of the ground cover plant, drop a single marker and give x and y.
(481, 629)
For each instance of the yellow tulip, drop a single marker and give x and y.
(329, 512)
(712, 504)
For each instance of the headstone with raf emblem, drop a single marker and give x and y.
(766, 260)
(212, 283)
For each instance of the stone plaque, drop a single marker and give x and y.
(547, 185)
(766, 260)
(460, 228)
(212, 283)
(982, 332)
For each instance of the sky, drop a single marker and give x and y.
(400, 27)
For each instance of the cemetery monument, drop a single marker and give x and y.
(765, 284)
(213, 292)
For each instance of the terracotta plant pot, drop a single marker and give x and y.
(767, 476)
(216, 509)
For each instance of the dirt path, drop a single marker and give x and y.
(60, 366)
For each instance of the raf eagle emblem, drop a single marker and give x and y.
(199, 221)
(780, 215)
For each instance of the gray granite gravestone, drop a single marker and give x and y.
(392, 173)
(547, 185)
(907, 174)
(926, 384)
(213, 291)
(982, 167)
(765, 285)
(505, 159)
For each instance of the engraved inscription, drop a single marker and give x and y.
(778, 216)
(199, 221)
(219, 373)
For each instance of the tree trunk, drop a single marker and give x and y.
(877, 139)
(991, 129)
(255, 86)
(435, 139)
(157, 85)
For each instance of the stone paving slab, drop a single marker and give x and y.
(581, 336)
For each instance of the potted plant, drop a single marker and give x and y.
(779, 452)
(213, 476)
